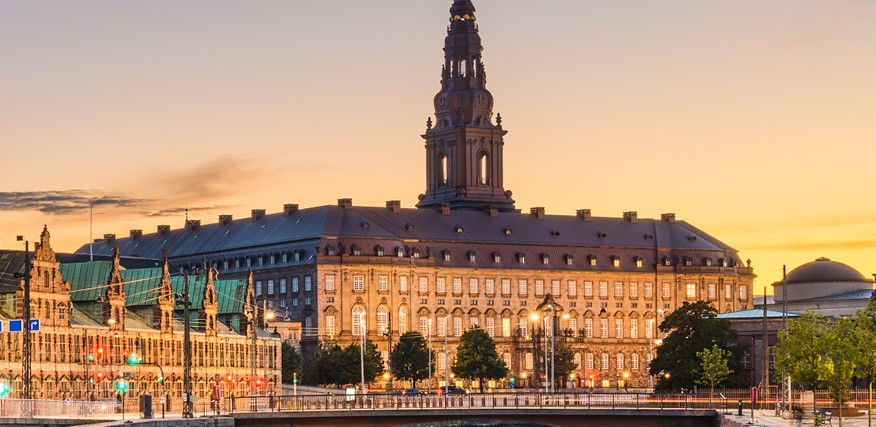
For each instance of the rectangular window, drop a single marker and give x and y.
(618, 289)
(521, 327)
(618, 328)
(282, 286)
(573, 288)
(294, 302)
(439, 285)
(555, 288)
(473, 286)
(442, 326)
(442, 362)
(634, 328)
(424, 285)
(402, 321)
(330, 325)
(294, 284)
(457, 326)
(258, 287)
(588, 361)
(457, 285)
(666, 290)
(308, 284)
(588, 289)
(573, 325)
(506, 327)
(604, 361)
(620, 361)
(330, 282)
(634, 361)
(307, 301)
(473, 322)
(603, 328)
(603, 289)
(691, 292)
(634, 290)
(649, 290)
(424, 326)
(713, 291)
(539, 287)
(728, 292)
(649, 328)
(382, 283)
(527, 361)
(521, 287)
(403, 283)
(743, 292)
(270, 286)
(506, 286)
(588, 328)
(358, 283)
(490, 286)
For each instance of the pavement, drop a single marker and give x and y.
(767, 418)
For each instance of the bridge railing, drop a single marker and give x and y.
(499, 400)
(33, 408)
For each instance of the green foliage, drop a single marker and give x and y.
(291, 362)
(564, 361)
(410, 358)
(476, 358)
(865, 343)
(713, 366)
(798, 351)
(691, 329)
(838, 361)
(341, 366)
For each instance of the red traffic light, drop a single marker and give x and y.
(99, 376)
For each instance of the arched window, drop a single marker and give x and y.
(483, 168)
(382, 319)
(577, 360)
(442, 169)
(402, 320)
(527, 361)
(358, 321)
(506, 357)
(634, 361)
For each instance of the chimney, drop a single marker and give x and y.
(494, 211)
(584, 214)
(631, 216)
(163, 229)
(136, 234)
(345, 203)
(289, 209)
(225, 219)
(258, 214)
(109, 238)
(445, 209)
(537, 212)
(394, 205)
(193, 224)
(668, 217)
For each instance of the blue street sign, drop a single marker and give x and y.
(1, 326)
(15, 325)
(34, 324)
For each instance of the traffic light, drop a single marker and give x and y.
(99, 376)
(99, 352)
(121, 385)
(4, 388)
(160, 380)
(91, 357)
(229, 378)
(91, 379)
(513, 380)
(133, 359)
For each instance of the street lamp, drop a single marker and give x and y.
(362, 330)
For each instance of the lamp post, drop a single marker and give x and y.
(553, 340)
(388, 333)
(188, 411)
(362, 330)
(429, 336)
(25, 347)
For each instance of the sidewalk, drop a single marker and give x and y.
(769, 419)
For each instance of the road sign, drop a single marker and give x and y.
(34, 325)
(15, 325)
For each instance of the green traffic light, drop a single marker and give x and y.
(121, 385)
(90, 357)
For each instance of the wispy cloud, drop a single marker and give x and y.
(810, 246)
(215, 179)
(182, 210)
(64, 202)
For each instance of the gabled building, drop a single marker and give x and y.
(94, 316)
(466, 255)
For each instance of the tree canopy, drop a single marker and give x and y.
(410, 358)
(291, 362)
(690, 329)
(476, 358)
(713, 366)
(564, 361)
(342, 366)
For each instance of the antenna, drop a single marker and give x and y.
(91, 232)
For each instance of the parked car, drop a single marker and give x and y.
(411, 392)
(452, 389)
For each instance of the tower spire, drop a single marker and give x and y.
(464, 149)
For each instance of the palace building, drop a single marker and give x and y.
(467, 255)
(104, 327)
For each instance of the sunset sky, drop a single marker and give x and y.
(752, 120)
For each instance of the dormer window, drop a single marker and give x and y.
(724, 262)
(400, 252)
(415, 253)
(707, 262)
(592, 260)
(379, 250)
(330, 250)
(296, 256)
(569, 259)
(545, 259)
(507, 231)
(639, 262)
(667, 261)
(497, 257)
(688, 261)
(285, 257)
(521, 258)
(447, 256)
(615, 261)
(472, 256)
(459, 229)
(356, 250)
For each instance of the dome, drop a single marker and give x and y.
(824, 270)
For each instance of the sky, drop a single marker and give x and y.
(751, 120)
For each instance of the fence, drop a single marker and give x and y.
(23, 408)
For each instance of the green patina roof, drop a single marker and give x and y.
(141, 286)
(231, 295)
(87, 279)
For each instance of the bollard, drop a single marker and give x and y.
(739, 407)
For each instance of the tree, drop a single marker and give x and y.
(564, 361)
(837, 366)
(476, 358)
(798, 352)
(372, 361)
(341, 366)
(691, 329)
(713, 367)
(865, 325)
(291, 362)
(410, 358)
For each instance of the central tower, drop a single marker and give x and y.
(464, 146)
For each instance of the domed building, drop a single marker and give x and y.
(828, 287)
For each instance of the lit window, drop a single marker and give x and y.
(446, 256)
(615, 261)
(471, 257)
(380, 251)
(490, 286)
(358, 321)
(593, 260)
(691, 291)
(358, 283)
(330, 282)
(424, 285)
(573, 288)
(382, 283)
(457, 285)
(472, 286)
(639, 262)
(403, 283)
(439, 285)
(497, 258)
